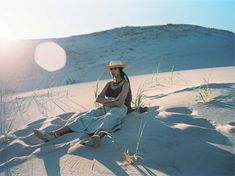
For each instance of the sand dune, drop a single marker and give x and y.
(146, 49)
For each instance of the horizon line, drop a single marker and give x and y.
(108, 29)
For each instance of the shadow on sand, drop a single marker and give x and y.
(193, 150)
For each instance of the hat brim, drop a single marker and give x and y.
(108, 67)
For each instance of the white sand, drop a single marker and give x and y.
(182, 135)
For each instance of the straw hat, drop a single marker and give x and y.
(115, 63)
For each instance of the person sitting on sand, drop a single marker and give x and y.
(116, 99)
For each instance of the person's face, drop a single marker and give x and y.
(114, 71)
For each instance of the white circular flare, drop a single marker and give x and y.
(50, 56)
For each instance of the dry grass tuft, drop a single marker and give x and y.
(130, 158)
(139, 99)
(6, 133)
(205, 93)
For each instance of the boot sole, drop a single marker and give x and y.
(93, 141)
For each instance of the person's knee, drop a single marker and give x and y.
(95, 112)
(118, 112)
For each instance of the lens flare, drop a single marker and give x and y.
(50, 56)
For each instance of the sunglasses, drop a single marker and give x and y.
(114, 68)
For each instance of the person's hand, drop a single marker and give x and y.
(110, 99)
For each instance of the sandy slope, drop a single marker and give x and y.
(182, 135)
(177, 46)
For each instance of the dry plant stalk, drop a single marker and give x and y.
(172, 72)
(205, 92)
(3, 113)
(96, 90)
(96, 93)
(155, 74)
(139, 99)
(6, 134)
(130, 158)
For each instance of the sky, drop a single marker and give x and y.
(31, 19)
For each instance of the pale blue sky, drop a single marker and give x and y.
(21, 19)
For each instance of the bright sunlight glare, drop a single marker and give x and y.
(50, 56)
(4, 43)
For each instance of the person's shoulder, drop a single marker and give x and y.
(126, 83)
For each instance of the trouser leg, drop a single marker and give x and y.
(83, 121)
(113, 117)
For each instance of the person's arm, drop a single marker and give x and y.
(101, 97)
(120, 98)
